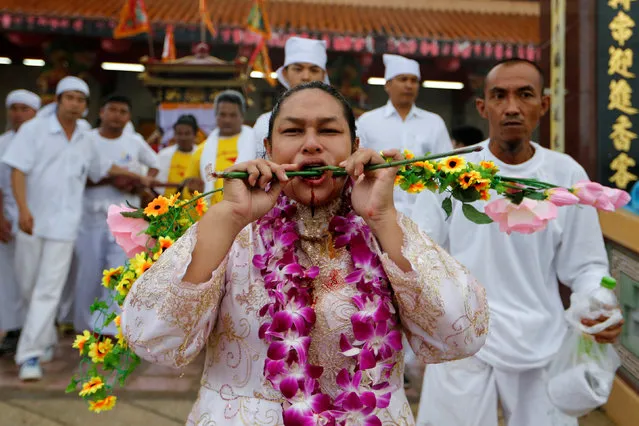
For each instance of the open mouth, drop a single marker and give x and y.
(309, 165)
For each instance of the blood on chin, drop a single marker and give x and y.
(319, 195)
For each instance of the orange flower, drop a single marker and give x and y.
(140, 263)
(484, 195)
(482, 184)
(201, 206)
(426, 165)
(399, 179)
(157, 207)
(416, 188)
(164, 243)
(105, 404)
(452, 164)
(408, 154)
(99, 350)
(466, 180)
(92, 386)
(81, 340)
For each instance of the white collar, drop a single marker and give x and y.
(389, 110)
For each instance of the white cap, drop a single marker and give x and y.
(70, 83)
(22, 96)
(303, 50)
(398, 65)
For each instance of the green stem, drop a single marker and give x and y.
(530, 182)
(338, 171)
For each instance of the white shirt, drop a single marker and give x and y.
(10, 209)
(129, 151)
(56, 170)
(245, 150)
(421, 132)
(521, 272)
(261, 132)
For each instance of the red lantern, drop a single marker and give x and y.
(366, 59)
(115, 46)
(27, 39)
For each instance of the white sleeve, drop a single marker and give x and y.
(148, 157)
(23, 149)
(99, 164)
(581, 258)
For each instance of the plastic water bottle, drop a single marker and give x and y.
(604, 300)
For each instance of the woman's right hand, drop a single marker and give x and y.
(248, 198)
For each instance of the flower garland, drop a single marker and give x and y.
(144, 234)
(291, 317)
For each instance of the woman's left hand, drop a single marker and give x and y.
(372, 196)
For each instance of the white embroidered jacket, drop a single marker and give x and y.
(441, 307)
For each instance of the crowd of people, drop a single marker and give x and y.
(481, 305)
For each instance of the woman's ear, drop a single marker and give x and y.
(267, 147)
(356, 144)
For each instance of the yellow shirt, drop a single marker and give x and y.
(180, 163)
(226, 156)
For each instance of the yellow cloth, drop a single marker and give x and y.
(180, 163)
(226, 156)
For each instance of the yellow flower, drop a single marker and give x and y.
(174, 198)
(466, 180)
(105, 404)
(416, 188)
(140, 263)
(165, 242)
(123, 287)
(99, 350)
(110, 274)
(484, 195)
(92, 386)
(81, 340)
(452, 164)
(426, 165)
(489, 165)
(117, 321)
(157, 207)
(408, 154)
(482, 184)
(399, 179)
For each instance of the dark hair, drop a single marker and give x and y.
(514, 61)
(346, 107)
(188, 120)
(467, 135)
(233, 97)
(120, 99)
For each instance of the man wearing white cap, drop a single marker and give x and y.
(21, 107)
(400, 123)
(304, 61)
(51, 158)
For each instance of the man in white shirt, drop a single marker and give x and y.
(51, 158)
(520, 272)
(95, 248)
(175, 160)
(400, 123)
(21, 107)
(304, 61)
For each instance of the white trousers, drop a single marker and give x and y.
(95, 251)
(11, 306)
(467, 392)
(41, 266)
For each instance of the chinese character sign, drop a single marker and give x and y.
(617, 85)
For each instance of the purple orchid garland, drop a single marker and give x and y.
(287, 333)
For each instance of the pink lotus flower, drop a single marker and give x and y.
(561, 197)
(588, 192)
(527, 217)
(128, 232)
(617, 197)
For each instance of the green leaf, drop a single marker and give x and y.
(72, 386)
(534, 195)
(98, 305)
(475, 215)
(109, 319)
(447, 205)
(135, 215)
